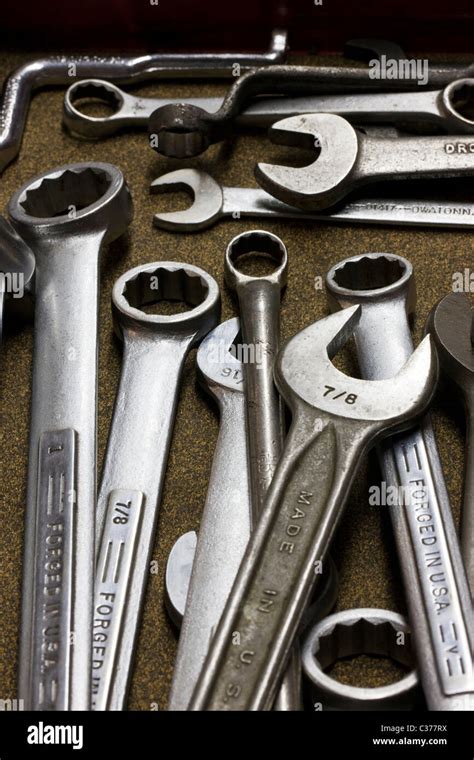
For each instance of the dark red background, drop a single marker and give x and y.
(419, 25)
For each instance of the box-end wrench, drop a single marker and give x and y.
(348, 160)
(442, 108)
(212, 201)
(183, 130)
(225, 524)
(155, 348)
(439, 603)
(66, 216)
(335, 419)
(20, 85)
(17, 275)
(451, 325)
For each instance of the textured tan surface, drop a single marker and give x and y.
(364, 549)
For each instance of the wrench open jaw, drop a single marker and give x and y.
(336, 419)
(349, 159)
(207, 194)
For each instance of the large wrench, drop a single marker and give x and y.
(335, 420)
(439, 602)
(65, 216)
(349, 159)
(20, 85)
(440, 107)
(155, 348)
(225, 523)
(212, 201)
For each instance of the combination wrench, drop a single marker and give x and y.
(20, 85)
(212, 201)
(348, 160)
(66, 216)
(450, 324)
(442, 108)
(155, 348)
(225, 523)
(335, 419)
(439, 603)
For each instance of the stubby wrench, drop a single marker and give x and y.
(439, 603)
(66, 216)
(442, 108)
(226, 519)
(336, 419)
(451, 325)
(212, 201)
(349, 159)
(155, 348)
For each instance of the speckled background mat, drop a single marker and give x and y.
(363, 551)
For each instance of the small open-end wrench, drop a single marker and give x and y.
(212, 201)
(17, 274)
(65, 216)
(349, 159)
(439, 603)
(155, 348)
(225, 524)
(440, 107)
(183, 130)
(335, 420)
(451, 326)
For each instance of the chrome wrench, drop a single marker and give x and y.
(212, 201)
(155, 348)
(439, 602)
(335, 420)
(66, 216)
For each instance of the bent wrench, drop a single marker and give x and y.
(65, 216)
(349, 160)
(439, 107)
(155, 348)
(226, 519)
(439, 602)
(335, 420)
(212, 201)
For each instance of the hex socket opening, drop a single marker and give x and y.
(165, 292)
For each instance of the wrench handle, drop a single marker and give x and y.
(467, 522)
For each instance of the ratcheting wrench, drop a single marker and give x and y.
(440, 107)
(437, 592)
(212, 201)
(336, 419)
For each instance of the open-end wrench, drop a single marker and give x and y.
(439, 107)
(439, 603)
(20, 85)
(65, 215)
(155, 348)
(349, 159)
(183, 130)
(225, 524)
(451, 326)
(17, 274)
(335, 420)
(212, 201)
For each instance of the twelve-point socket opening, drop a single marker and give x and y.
(369, 273)
(166, 292)
(256, 254)
(67, 193)
(461, 99)
(95, 99)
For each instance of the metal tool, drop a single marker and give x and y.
(226, 518)
(439, 603)
(355, 632)
(66, 216)
(17, 274)
(335, 420)
(349, 160)
(450, 324)
(20, 85)
(439, 107)
(183, 130)
(212, 201)
(155, 348)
